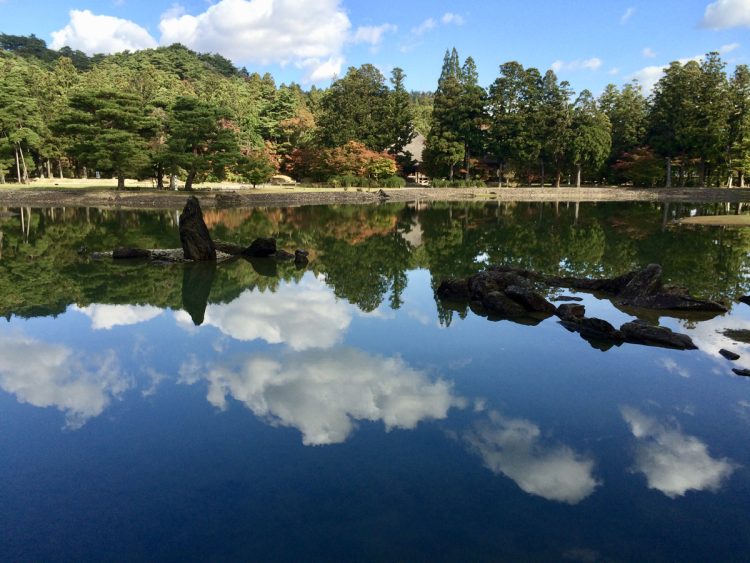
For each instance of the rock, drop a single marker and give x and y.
(571, 312)
(729, 355)
(566, 298)
(282, 254)
(742, 372)
(300, 257)
(643, 282)
(495, 280)
(382, 195)
(82, 250)
(674, 302)
(228, 248)
(639, 332)
(261, 248)
(529, 299)
(593, 328)
(497, 303)
(454, 289)
(197, 279)
(194, 236)
(130, 253)
(744, 299)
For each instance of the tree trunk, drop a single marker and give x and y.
(85, 172)
(578, 175)
(703, 173)
(730, 179)
(542, 172)
(500, 175)
(23, 165)
(191, 177)
(2, 177)
(681, 175)
(18, 167)
(49, 169)
(59, 166)
(173, 182)
(558, 177)
(669, 172)
(742, 179)
(120, 182)
(159, 177)
(468, 164)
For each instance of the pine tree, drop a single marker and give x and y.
(591, 135)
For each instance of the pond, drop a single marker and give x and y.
(338, 411)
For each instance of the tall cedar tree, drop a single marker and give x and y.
(591, 135)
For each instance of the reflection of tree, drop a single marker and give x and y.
(364, 251)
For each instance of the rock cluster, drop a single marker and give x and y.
(512, 293)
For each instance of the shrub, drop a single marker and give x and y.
(393, 182)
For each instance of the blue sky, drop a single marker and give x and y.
(589, 43)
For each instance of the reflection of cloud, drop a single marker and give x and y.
(709, 338)
(302, 316)
(50, 375)
(673, 367)
(513, 447)
(108, 316)
(673, 462)
(322, 394)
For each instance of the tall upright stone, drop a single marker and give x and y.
(196, 241)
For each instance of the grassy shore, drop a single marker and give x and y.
(141, 195)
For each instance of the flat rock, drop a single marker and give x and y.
(130, 254)
(570, 311)
(639, 332)
(261, 248)
(529, 299)
(496, 302)
(561, 298)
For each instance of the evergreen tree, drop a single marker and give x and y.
(472, 119)
(738, 158)
(400, 115)
(201, 139)
(108, 131)
(556, 117)
(591, 135)
(627, 111)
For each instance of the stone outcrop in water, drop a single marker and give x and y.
(261, 248)
(514, 293)
(194, 236)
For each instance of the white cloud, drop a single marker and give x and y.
(51, 375)
(648, 52)
(309, 34)
(723, 14)
(323, 394)
(613, 71)
(108, 316)
(373, 34)
(724, 49)
(451, 18)
(674, 462)
(93, 34)
(593, 63)
(627, 15)
(650, 75)
(424, 27)
(514, 448)
(302, 316)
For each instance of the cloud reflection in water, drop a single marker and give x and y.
(323, 394)
(51, 375)
(513, 447)
(672, 461)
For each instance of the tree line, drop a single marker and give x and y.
(171, 113)
(529, 125)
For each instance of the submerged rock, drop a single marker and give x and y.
(498, 303)
(560, 298)
(228, 248)
(300, 257)
(529, 299)
(639, 332)
(742, 372)
(454, 289)
(570, 311)
(592, 328)
(261, 248)
(194, 236)
(130, 254)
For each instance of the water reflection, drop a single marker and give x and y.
(51, 375)
(106, 317)
(674, 462)
(324, 394)
(515, 448)
(302, 316)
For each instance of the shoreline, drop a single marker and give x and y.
(285, 197)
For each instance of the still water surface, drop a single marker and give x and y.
(339, 412)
